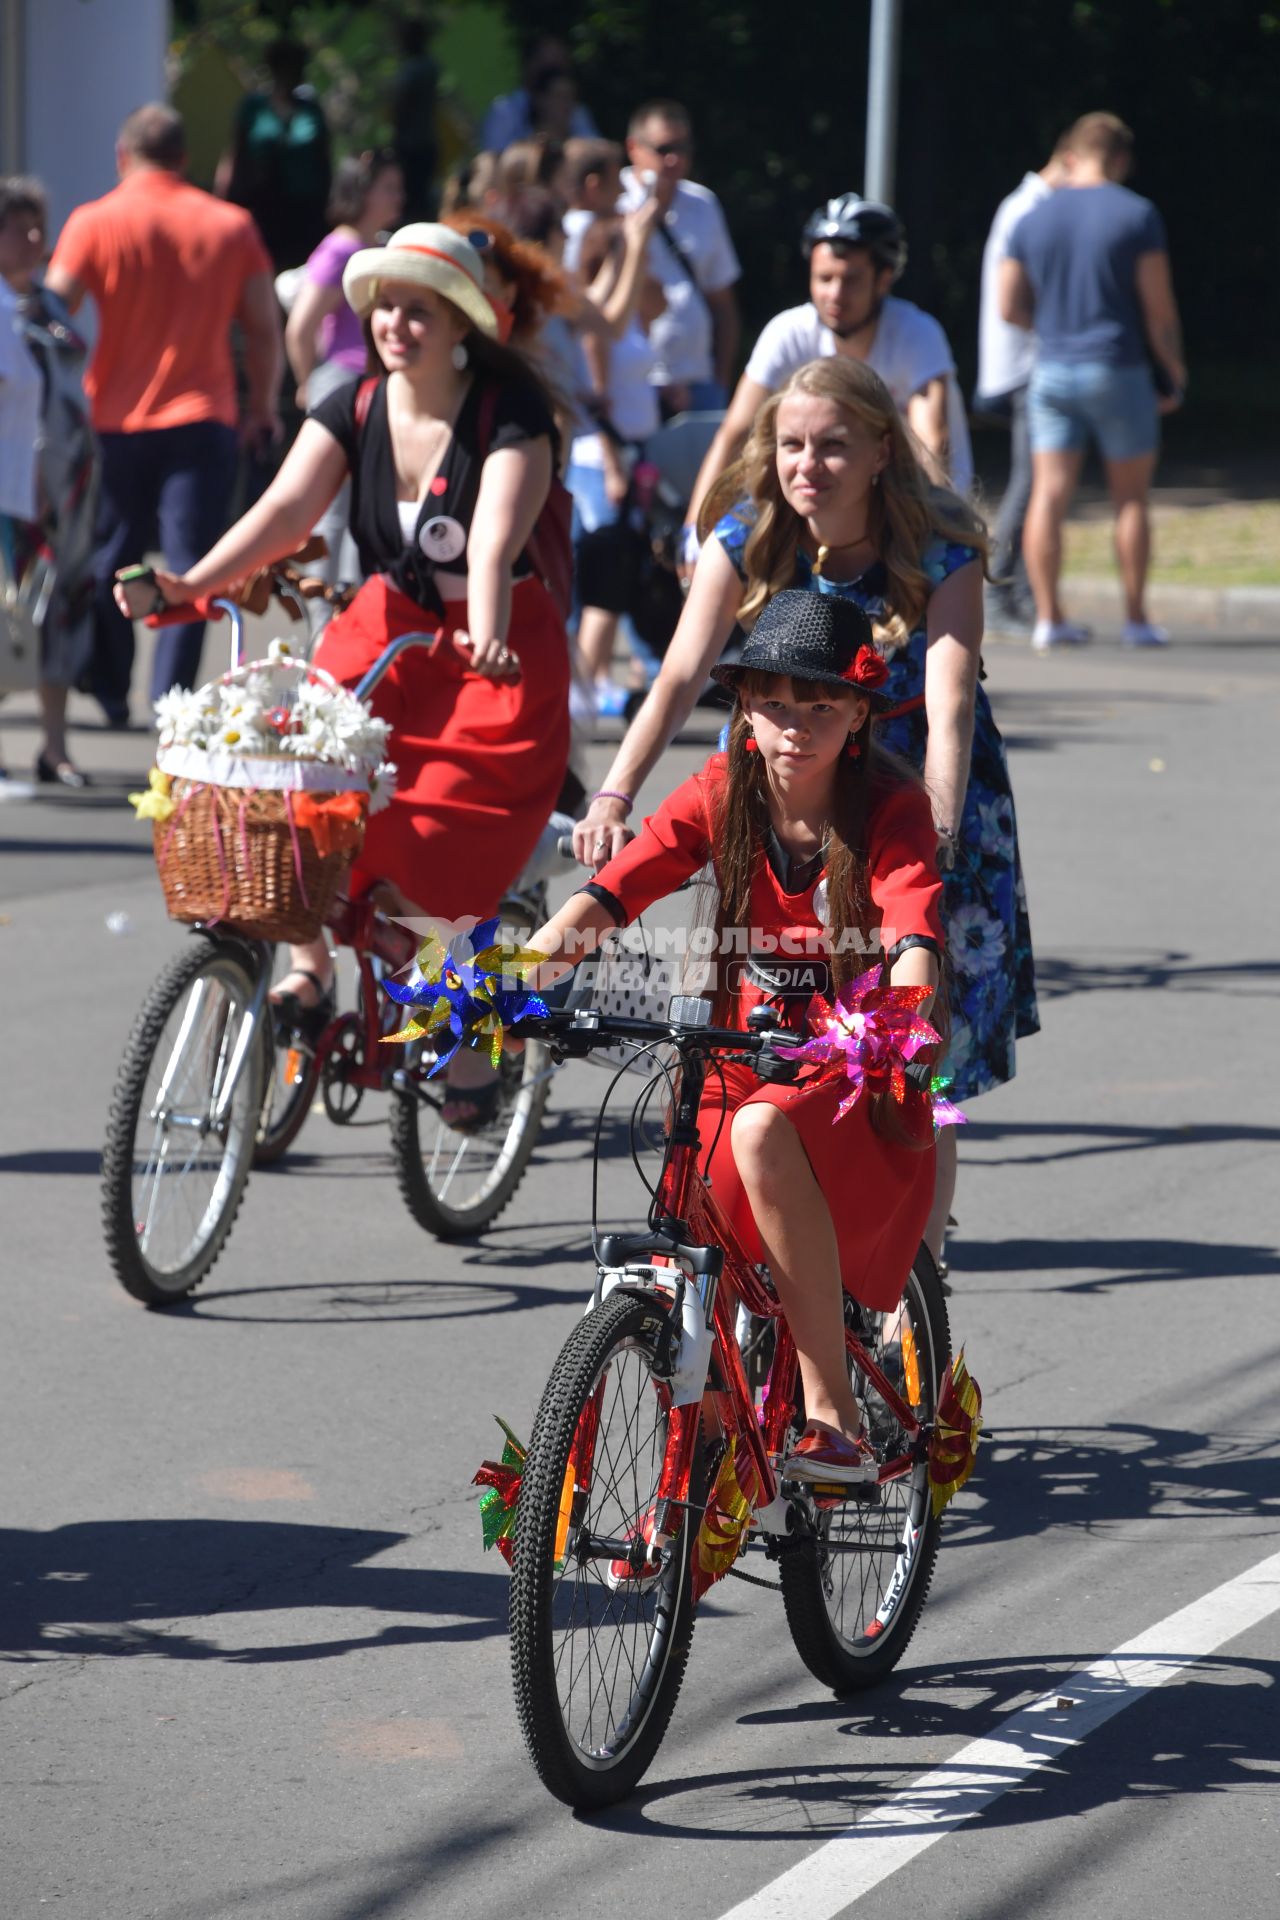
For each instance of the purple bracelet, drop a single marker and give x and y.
(608, 793)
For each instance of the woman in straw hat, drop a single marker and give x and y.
(450, 451)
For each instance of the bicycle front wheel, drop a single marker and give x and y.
(854, 1586)
(183, 1118)
(456, 1184)
(601, 1616)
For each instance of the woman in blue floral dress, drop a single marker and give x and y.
(829, 494)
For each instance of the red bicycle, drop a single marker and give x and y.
(652, 1467)
(209, 1087)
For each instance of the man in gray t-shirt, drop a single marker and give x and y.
(1089, 269)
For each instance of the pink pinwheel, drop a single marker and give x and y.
(875, 1031)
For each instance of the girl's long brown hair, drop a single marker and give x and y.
(743, 819)
(907, 510)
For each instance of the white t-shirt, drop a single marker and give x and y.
(575, 224)
(20, 396)
(1006, 354)
(682, 337)
(909, 350)
(631, 400)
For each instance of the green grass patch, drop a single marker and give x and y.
(1233, 543)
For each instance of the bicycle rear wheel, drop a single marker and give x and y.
(854, 1587)
(599, 1645)
(173, 1167)
(456, 1184)
(289, 1079)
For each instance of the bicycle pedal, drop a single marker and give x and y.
(839, 1493)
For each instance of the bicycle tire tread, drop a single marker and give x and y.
(801, 1573)
(415, 1189)
(122, 1118)
(578, 1364)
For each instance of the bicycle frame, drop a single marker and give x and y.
(688, 1229)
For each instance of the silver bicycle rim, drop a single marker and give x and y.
(184, 1160)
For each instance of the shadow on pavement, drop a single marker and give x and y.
(1116, 1263)
(1032, 1481)
(1101, 1139)
(113, 1587)
(1056, 978)
(52, 1160)
(1208, 1731)
(340, 1302)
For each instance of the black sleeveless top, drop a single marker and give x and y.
(517, 413)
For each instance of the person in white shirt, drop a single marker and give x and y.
(594, 171)
(692, 255)
(1006, 356)
(856, 249)
(603, 456)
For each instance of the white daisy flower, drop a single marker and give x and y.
(976, 941)
(996, 834)
(382, 784)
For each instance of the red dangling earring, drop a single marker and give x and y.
(749, 745)
(852, 749)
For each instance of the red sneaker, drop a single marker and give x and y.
(822, 1455)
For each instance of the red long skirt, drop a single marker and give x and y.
(879, 1193)
(481, 762)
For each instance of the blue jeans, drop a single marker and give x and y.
(1070, 402)
(168, 486)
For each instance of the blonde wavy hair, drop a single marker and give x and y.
(907, 510)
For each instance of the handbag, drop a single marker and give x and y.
(625, 979)
(24, 602)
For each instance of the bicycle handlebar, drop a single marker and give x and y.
(581, 1030)
(208, 608)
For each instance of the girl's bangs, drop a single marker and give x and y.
(761, 684)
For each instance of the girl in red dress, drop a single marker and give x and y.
(824, 850)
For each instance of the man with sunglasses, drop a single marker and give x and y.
(692, 256)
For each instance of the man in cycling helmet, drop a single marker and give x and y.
(856, 249)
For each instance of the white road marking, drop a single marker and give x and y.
(831, 1878)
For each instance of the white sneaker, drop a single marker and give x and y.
(1059, 633)
(1141, 633)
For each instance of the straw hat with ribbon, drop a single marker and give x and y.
(425, 254)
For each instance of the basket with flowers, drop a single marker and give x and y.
(258, 799)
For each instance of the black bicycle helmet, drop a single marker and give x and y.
(851, 221)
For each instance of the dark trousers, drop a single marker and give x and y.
(165, 488)
(1006, 556)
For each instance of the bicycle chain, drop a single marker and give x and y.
(754, 1580)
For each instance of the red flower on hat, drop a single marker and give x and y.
(866, 671)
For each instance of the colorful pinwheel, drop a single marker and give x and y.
(874, 1032)
(471, 988)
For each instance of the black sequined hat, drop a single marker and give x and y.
(812, 636)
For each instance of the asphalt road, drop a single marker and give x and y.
(256, 1660)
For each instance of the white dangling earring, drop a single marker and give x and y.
(875, 479)
(459, 356)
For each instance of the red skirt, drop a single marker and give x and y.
(879, 1193)
(481, 762)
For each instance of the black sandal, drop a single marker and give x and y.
(291, 1016)
(484, 1099)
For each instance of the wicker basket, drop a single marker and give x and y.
(236, 858)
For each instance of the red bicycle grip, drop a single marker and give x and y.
(182, 614)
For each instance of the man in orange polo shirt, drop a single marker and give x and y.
(170, 268)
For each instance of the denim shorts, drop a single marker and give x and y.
(1070, 402)
(592, 507)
